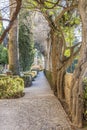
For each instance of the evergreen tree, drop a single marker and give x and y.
(26, 44)
(1, 25)
(3, 55)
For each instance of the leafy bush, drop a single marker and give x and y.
(11, 87)
(35, 68)
(32, 73)
(27, 80)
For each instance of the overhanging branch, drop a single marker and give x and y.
(63, 11)
(14, 16)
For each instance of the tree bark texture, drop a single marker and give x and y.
(57, 73)
(13, 45)
(77, 88)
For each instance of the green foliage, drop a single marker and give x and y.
(26, 44)
(69, 36)
(11, 87)
(27, 80)
(67, 53)
(3, 55)
(32, 73)
(1, 25)
(66, 22)
(69, 23)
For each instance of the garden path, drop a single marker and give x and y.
(39, 109)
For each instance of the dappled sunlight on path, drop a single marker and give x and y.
(39, 109)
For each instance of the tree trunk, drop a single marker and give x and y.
(60, 84)
(77, 88)
(13, 44)
(54, 62)
(57, 75)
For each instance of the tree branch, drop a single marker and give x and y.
(54, 4)
(69, 60)
(63, 11)
(14, 16)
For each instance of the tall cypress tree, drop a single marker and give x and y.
(26, 43)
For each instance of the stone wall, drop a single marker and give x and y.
(67, 87)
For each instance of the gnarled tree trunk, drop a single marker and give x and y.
(57, 73)
(60, 84)
(54, 61)
(77, 88)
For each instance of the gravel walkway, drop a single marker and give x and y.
(39, 109)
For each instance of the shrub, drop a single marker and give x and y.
(35, 68)
(11, 87)
(32, 73)
(27, 80)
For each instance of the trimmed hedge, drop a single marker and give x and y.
(27, 80)
(35, 68)
(28, 76)
(11, 87)
(32, 73)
